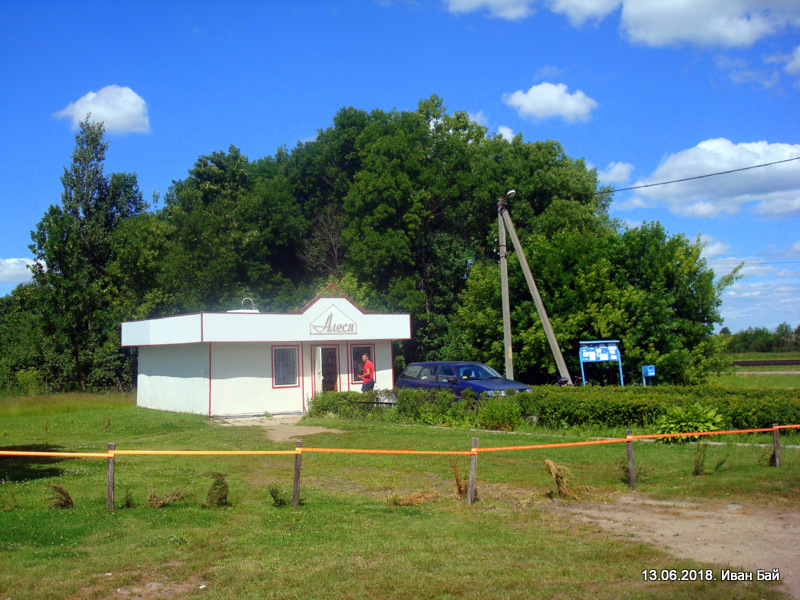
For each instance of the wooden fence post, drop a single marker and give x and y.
(776, 442)
(631, 462)
(473, 469)
(298, 459)
(110, 477)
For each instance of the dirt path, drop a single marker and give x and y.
(729, 535)
(280, 428)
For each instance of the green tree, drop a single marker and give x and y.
(22, 338)
(72, 247)
(235, 232)
(650, 290)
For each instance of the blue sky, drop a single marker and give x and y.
(645, 90)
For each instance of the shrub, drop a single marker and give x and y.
(556, 407)
(343, 404)
(61, 497)
(30, 382)
(218, 492)
(500, 413)
(695, 417)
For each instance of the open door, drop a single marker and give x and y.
(325, 365)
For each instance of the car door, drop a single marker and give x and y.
(427, 377)
(448, 378)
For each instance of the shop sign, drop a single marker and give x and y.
(333, 322)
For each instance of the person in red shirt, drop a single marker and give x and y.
(368, 374)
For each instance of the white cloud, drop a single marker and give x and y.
(15, 270)
(615, 173)
(740, 71)
(727, 23)
(712, 247)
(119, 108)
(772, 191)
(479, 118)
(506, 132)
(580, 11)
(793, 65)
(548, 100)
(724, 23)
(503, 9)
(548, 72)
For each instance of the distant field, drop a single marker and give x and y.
(771, 357)
(757, 382)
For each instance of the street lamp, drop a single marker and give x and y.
(504, 222)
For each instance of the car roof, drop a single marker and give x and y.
(447, 362)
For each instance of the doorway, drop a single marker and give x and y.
(326, 369)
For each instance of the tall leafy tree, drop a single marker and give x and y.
(236, 231)
(652, 291)
(72, 247)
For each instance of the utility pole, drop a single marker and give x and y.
(504, 222)
(507, 351)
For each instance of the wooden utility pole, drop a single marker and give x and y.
(507, 351)
(505, 219)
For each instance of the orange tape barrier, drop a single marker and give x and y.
(301, 450)
(349, 451)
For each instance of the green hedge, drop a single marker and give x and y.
(642, 406)
(428, 408)
(558, 407)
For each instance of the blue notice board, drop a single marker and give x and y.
(601, 351)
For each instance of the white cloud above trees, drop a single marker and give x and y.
(549, 100)
(119, 108)
(15, 270)
(771, 191)
(615, 173)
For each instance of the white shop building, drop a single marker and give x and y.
(246, 362)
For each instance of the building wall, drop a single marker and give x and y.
(176, 377)
(242, 381)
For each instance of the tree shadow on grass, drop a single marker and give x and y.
(25, 468)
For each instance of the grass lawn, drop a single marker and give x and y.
(757, 382)
(351, 539)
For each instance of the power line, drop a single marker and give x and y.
(638, 187)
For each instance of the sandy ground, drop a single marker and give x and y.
(280, 428)
(729, 535)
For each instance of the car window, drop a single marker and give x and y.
(484, 372)
(467, 372)
(428, 373)
(411, 372)
(446, 372)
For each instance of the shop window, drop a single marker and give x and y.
(357, 364)
(284, 367)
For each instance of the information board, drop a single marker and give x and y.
(601, 351)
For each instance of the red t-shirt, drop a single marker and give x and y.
(369, 371)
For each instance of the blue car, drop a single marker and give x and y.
(457, 377)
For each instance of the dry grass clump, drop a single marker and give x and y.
(413, 499)
(462, 487)
(154, 500)
(61, 498)
(563, 478)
